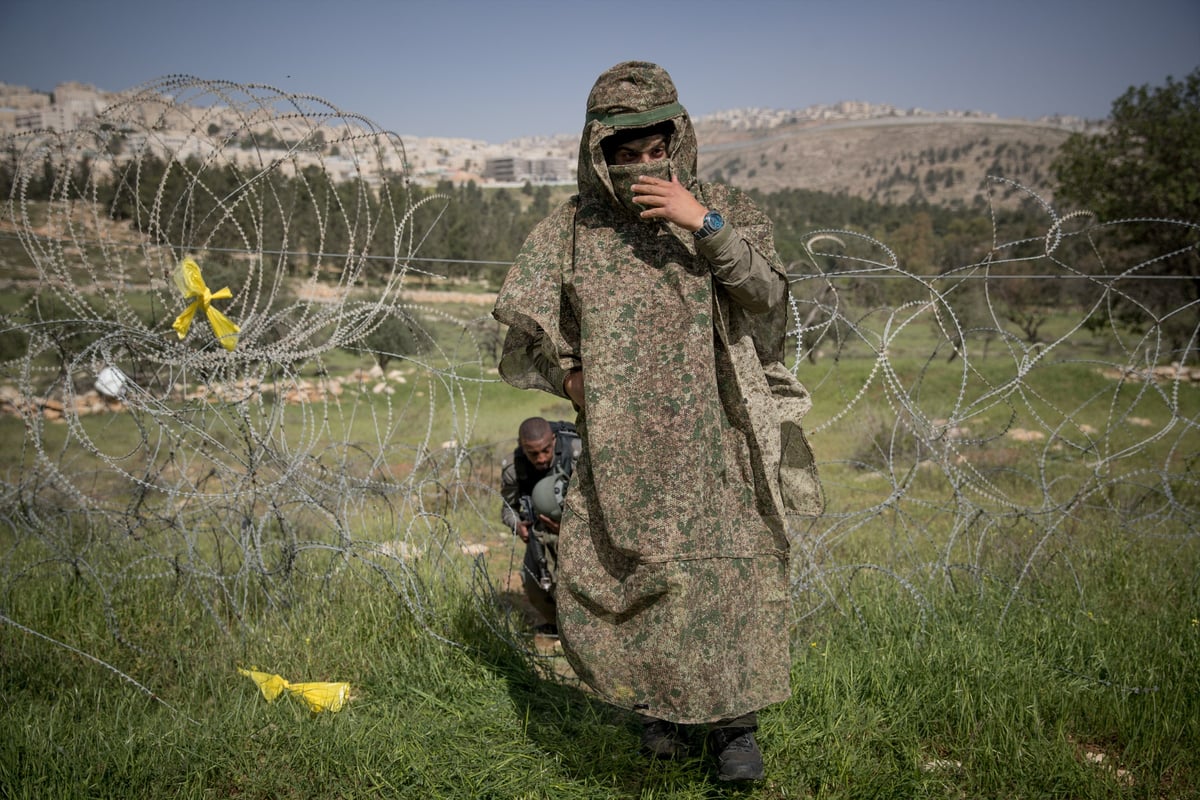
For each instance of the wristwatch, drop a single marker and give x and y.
(713, 222)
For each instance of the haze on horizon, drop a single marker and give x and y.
(496, 72)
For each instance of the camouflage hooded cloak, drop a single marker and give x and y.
(673, 558)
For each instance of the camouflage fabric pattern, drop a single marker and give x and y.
(673, 558)
(632, 87)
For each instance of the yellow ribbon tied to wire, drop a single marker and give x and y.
(191, 284)
(320, 696)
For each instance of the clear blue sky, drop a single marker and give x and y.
(505, 68)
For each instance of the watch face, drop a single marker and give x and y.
(713, 222)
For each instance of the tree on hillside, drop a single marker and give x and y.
(1146, 164)
(398, 335)
(1145, 167)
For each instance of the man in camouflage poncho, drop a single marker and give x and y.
(665, 329)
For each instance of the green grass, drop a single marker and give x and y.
(1046, 647)
(885, 703)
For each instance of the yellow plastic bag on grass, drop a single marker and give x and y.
(271, 686)
(191, 284)
(320, 696)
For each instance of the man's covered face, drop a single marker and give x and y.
(634, 154)
(540, 452)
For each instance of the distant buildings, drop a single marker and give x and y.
(70, 104)
(749, 119)
(176, 132)
(513, 169)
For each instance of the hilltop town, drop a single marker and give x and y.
(535, 159)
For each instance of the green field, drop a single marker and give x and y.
(977, 614)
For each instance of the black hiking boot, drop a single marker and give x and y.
(738, 756)
(662, 739)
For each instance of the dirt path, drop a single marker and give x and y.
(436, 296)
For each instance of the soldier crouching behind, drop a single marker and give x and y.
(532, 484)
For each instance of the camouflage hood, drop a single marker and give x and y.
(633, 94)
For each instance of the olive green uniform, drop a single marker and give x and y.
(517, 478)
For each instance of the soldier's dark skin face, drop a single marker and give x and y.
(540, 453)
(641, 151)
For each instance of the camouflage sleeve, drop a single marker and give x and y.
(552, 370)
(510, 496)
(749, 276)
(542, 342)
(742, 254)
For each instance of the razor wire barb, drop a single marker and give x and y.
(949, 449)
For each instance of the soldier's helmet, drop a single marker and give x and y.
(547, 495)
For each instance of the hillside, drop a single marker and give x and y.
(943, 160)
(873, 151)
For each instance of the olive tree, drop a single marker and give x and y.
(1144, 169)
(398, 335)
